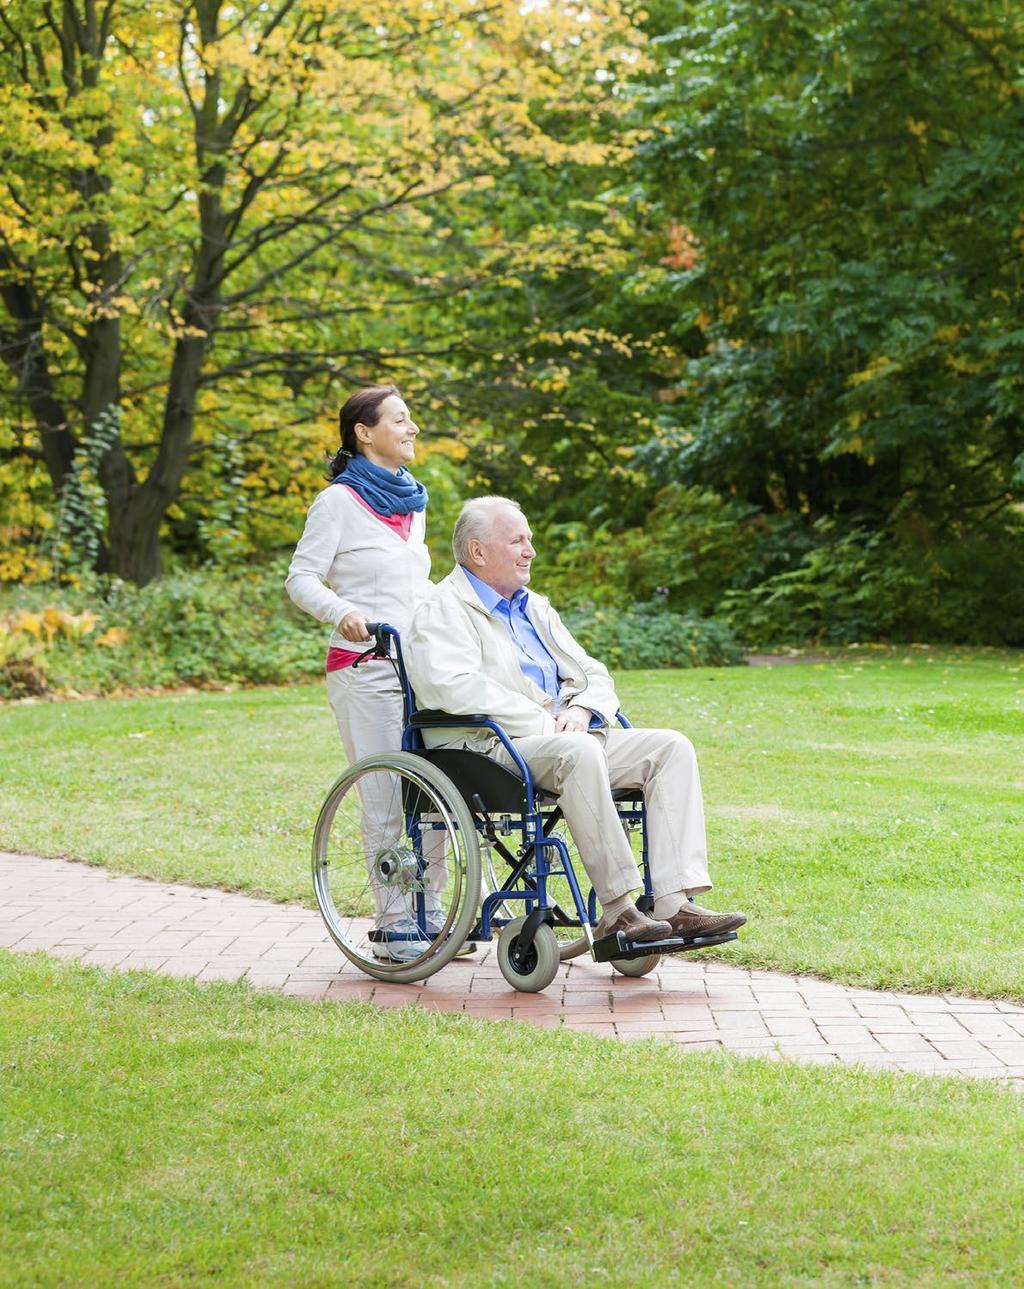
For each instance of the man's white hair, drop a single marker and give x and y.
(476, 519)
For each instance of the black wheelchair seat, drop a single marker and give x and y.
(501, 790)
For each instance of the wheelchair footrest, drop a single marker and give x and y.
(618, 946)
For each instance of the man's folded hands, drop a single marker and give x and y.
(573, 720)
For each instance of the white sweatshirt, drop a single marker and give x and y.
(368, 567)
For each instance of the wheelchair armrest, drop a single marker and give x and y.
(427, 718)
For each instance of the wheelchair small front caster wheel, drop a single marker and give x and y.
(534, 970)
(636, 966)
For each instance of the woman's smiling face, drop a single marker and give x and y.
(391, 443)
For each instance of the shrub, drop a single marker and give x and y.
(649, 635)
(213, 628)
(26, 640)
(692, 547)
(195, 628)
(875, 586)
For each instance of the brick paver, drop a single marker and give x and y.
(76, 911)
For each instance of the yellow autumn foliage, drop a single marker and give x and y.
(113, 637)
(879, 366)
(356, 124)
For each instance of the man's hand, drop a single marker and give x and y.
(573, 720)
(353, 627)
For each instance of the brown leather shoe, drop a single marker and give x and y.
(692, 921)
(634, 925)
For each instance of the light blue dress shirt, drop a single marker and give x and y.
(534, 659)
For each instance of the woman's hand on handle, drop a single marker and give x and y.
(353, 627)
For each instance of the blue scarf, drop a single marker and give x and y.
(387, 493)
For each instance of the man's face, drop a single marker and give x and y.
(503, 559)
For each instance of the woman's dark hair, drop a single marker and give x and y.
(362, 408)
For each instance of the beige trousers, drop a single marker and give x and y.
(367, 705)
(582, 769)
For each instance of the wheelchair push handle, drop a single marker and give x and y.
(382, 634)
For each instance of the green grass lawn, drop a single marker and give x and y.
(868, 812)
(157, 1132)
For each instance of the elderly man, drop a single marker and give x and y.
(483, 643)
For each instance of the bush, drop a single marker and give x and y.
(195, 628)
(26, 641)
(215, 628)
(876, 586)
(649, 635)
(692, 547)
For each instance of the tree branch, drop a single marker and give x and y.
(979, 47)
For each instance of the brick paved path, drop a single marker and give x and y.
(75, 911)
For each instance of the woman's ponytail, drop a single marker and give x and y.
(336, 464)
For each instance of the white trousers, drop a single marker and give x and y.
(583, 769)
(367, 705)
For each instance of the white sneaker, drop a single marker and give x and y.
(400, 942)
(435, 921)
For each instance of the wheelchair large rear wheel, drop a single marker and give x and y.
(396, 867)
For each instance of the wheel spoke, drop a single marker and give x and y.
(396, 867)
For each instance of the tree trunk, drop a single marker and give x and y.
(26, 358)
(135, 539)
(136, 519)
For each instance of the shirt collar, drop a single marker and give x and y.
(492, 599)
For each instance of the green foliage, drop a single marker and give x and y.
(715, 330)
(220, 220)
(195, 628)
(557, 357)
(851, 354)
(217, 627)
(81, 518)
(865, 586)
(649, 636)
(691, 546)
(220, 529)
(441, 468)
(809, 332)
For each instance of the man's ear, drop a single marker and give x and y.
(475, 550)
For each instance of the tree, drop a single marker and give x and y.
(854, 179)
(850, 337)
(215, 212)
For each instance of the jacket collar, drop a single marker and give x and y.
(467, 592)
(464, 588)
(491, 599)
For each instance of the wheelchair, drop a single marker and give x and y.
(466, 848)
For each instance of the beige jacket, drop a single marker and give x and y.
(461, 660)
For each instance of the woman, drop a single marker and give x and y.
(364, 537)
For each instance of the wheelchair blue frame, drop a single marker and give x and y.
(531, 867)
